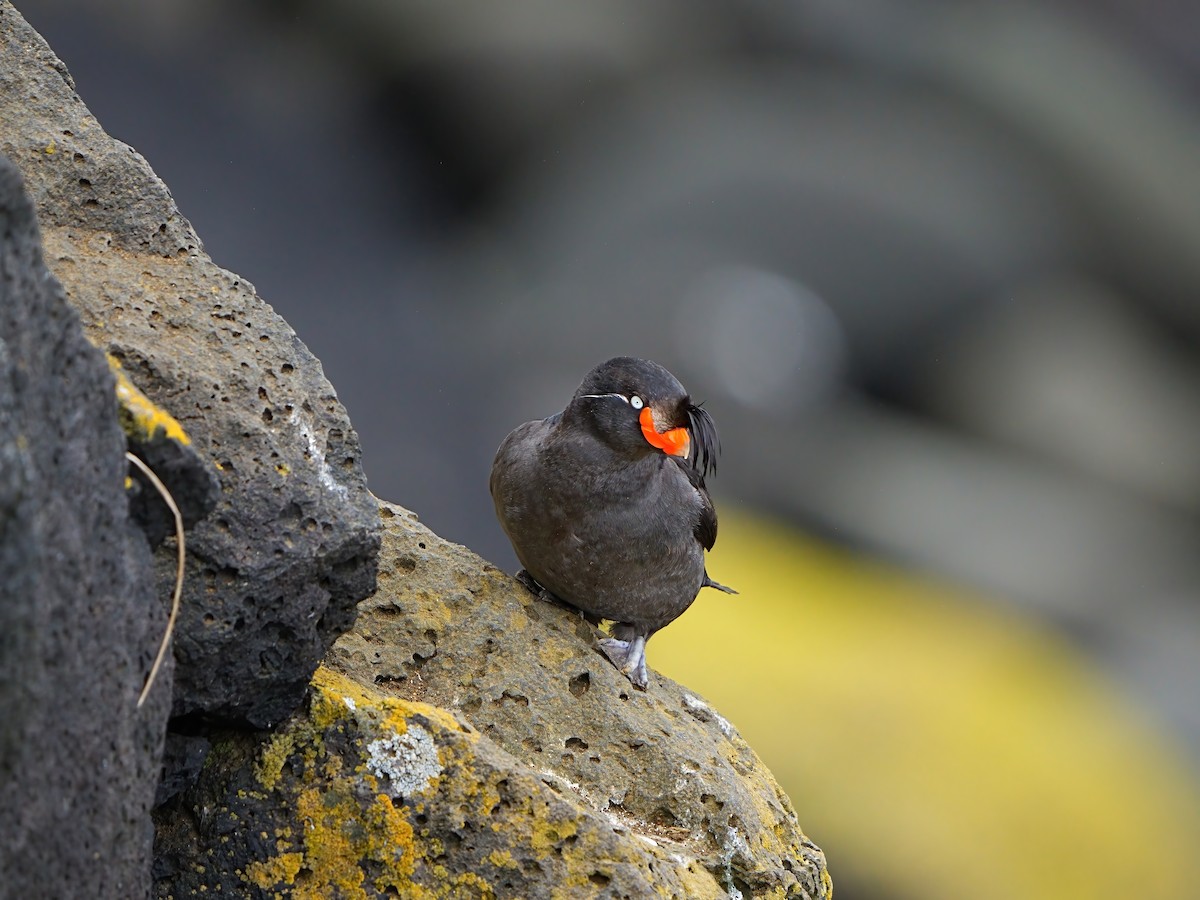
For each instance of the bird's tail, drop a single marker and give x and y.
(708, 582)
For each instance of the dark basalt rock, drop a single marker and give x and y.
(159, 441)
(276, 568)
(80, 617)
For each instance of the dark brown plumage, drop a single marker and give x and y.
(606, 506)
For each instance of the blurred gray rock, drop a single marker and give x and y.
(275, 571)
(1068, 370)
(80, 619)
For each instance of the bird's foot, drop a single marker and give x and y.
(629, 657)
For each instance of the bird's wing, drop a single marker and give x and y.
(516, 452)
(706, 524)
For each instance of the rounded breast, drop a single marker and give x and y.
(621, 547)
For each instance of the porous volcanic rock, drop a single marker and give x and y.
(447, 628)
(80, 619)
(468, 740)
(372, 796)
(155, 437)
(276, 569)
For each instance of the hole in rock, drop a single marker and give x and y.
(580, 684)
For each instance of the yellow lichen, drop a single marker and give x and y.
(547, 833)
(345, 846)
(502, 859)
(140, 418)
(271, 762)
(469, 884)
(698, 882)
(348, 839)
(275, 872)
(331, 690)
(341, 833)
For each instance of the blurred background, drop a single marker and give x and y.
(935, 269)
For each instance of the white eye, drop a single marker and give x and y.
(636, 402)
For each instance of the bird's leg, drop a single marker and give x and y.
(629, 657)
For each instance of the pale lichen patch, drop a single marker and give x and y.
(705, 713)
(409, 762)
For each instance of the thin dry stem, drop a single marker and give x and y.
(166, 639)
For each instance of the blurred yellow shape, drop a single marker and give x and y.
(934, 745)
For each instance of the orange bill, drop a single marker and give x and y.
(675, 442)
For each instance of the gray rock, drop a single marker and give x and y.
(449, 629)
(80, 618)
(468, 740)
(158, 440)
(275, 570)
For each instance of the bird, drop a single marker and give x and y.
(606, 506)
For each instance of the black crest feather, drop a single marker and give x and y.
(704, 436)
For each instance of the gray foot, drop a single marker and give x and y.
(629, 657)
